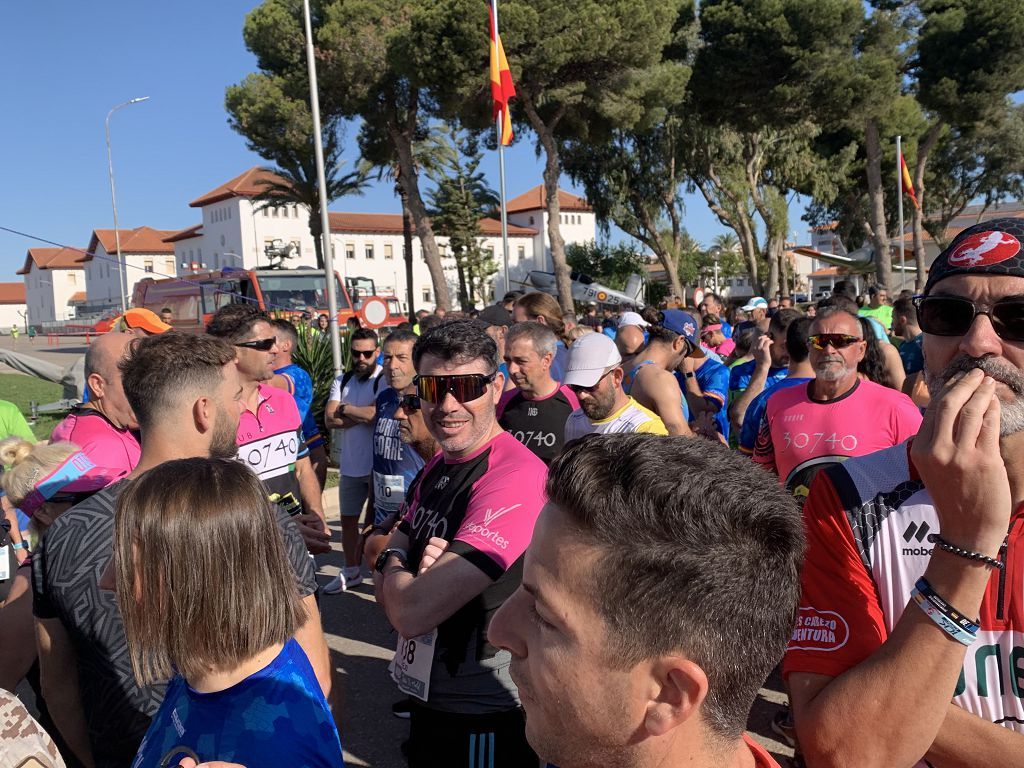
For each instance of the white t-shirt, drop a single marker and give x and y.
(357, 441)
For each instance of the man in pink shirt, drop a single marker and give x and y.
(104, 428)
(834, 416)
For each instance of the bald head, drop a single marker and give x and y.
(103, 377)
(106, 352)
(629, 339)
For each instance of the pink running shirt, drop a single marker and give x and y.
(114, 451)
(799, 436)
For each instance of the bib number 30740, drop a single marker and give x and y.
(411, 666)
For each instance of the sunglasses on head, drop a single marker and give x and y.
(409, 403)
(954, 316)
(835, 340)
(367, 353)
(262, 345)
(464, 387)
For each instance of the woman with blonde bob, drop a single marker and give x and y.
(209, 600)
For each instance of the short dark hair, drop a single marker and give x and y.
(284, 327)
(166, 309)
(401, 336)
(796, 339)
(460, 341)
(429, 321)
(845, 288)
(363, 334)
(159, 371)
(707, 561)
(904, 305)
(839, 300)
(233, 322)
(781, 320)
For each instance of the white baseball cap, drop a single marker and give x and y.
(755, 303)
(632, 318)
(589, 357)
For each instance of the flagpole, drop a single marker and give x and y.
(899, 195)
(501, 164)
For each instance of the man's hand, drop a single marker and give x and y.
(762, 352)
(705, 426)
(314, 533)
(434, 549)
(957, 455)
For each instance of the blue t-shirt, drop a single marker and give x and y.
(395, 464)
(755, 412)
(303, 394)
(912, 354)
(560, 363)
(713, 379)
(740, 375)
(275, 717)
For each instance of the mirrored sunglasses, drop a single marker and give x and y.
(835, 340)
(464, 387)
(410, 403)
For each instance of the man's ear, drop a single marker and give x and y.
(203, 414)
(97, 384)
(678, 689)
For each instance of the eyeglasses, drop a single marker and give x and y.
(262, 345)
(410, 403)
(835, 340)
(464, 387)
(367, 353)
(593, 387)
(954, 316)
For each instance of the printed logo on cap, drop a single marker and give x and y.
(983, 249)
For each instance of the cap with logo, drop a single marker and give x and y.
(757, 302)
(632, 318)
(683, 323)
(990, 248)
(590, 356)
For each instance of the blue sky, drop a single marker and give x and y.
(67, 64)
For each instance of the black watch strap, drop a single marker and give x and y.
(382, 558)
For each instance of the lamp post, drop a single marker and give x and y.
(716, 252)
(121, 276)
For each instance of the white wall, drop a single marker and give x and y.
(102, 275)
(11, 314)
(47, 292)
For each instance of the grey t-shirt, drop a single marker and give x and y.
(66, 571)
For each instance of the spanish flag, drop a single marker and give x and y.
(502, 88)
(908, 185)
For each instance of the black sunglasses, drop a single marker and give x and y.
(367, 353)
(954, 316)
(262, 345)
(410, 403)
(464, 387)
(834, 340)
(593, 387)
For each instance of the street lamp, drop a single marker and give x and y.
(716, 252)
(122, 277)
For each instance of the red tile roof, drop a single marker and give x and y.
(185, 234)
(52, 258)
(969, 217)
(391, 223)
(138, 240)
(78, 298)
(535, 200)
(246, 184)
(12, 293)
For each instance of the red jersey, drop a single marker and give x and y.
(867, 524)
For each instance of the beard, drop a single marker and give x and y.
(832, 370)
(1011, 415)
(223, 441)
(599, 405)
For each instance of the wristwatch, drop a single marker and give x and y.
(382, 558)
(689, 375)
(340, 410)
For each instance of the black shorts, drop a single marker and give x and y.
(447, 740)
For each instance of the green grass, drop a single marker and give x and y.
(20, 390)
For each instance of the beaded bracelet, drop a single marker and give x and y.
(945, 624)
(941, 543)
(949, 611)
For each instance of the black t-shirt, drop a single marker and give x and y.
(66, 571)
(538, 424)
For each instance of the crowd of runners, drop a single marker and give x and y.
(594, 537)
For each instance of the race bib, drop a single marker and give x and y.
(5, 564)
(388, 491)
(410, 669)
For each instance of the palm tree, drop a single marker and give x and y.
(726, 242)
(294, 180)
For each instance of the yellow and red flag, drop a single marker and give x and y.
(908, 185)
(502, 88)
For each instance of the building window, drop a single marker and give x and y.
(369, 251)
(531, 221)
(389, 251)
(72, 279)
(147, 266)
(275, 213)
(522, 252)
(426, 295)
(350, 251)
(266, 212)
(169, 266)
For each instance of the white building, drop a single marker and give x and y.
(236, 231)
(144, 252)
(13, 310)
(52, 278)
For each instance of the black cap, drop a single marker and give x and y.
(990, 248)
(495, 314)
(512, 296)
